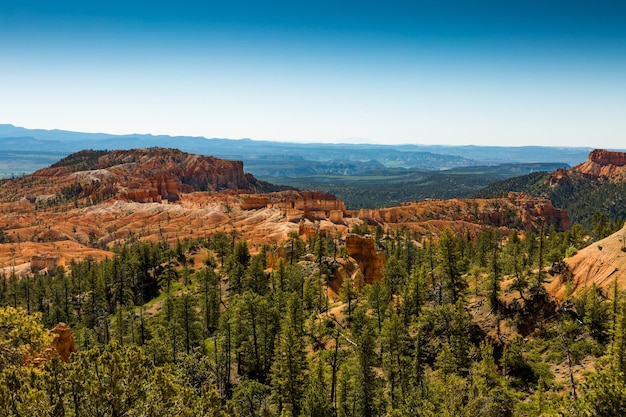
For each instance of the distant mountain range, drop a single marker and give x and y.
(40, 148)
(363, 175)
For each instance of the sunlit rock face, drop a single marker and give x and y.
(147, 175)
(363, 250)
(431, 216)
(601, 264)
(63, 342)
(603, 164)
(604, 157)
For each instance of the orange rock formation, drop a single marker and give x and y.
(44, 262)
(63, 342)
(601, 264)
(363, 250)
(303, 204)
(142, 175)
(601, 164)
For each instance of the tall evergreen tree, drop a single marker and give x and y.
(396, 359)
(454, 284)
(289, 366)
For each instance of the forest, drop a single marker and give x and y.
(387, 187)
(460, 325)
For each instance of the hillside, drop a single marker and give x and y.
(142, 175)
(601, 264)
(595, 186)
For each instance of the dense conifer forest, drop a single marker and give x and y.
(459, 325)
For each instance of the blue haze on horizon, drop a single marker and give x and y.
(481, 72)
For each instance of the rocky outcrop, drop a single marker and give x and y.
(44, 262)
(537, 211)
(299, 205)
(145, 175)
(556, 178)
(604, 157)
(63, 342)
(315, 201)
(254, 202)
(144, 195)
(370, 261)
(602, 164)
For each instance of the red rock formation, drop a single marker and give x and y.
(557, 177)
(601, 264)
(44, 262)
(535, 211)
(142, 195)
(363, 250)
(147, 175)
(604, 157)
(309, 230)
(601, 164)
(336, 216)
(311, 205)
(63, 342)
(255, 202)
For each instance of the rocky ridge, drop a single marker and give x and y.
(602, 164)
(150, 175)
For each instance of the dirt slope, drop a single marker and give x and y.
(600, 263)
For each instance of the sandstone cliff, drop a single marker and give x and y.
(297, 205)
(370, 261)
(602, 164)
(143, 175)
(63, 342)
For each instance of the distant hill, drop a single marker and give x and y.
(597, 185)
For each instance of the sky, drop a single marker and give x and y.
(482, 72)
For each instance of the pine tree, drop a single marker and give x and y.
(211, 299)
(378, 299)
(395, 343)
(454, 284)
(617, 349)
(348, 295)
(394, 275)
(289, 366)
(365, 379)
(316, 401)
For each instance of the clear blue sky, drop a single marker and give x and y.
(429, 72)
